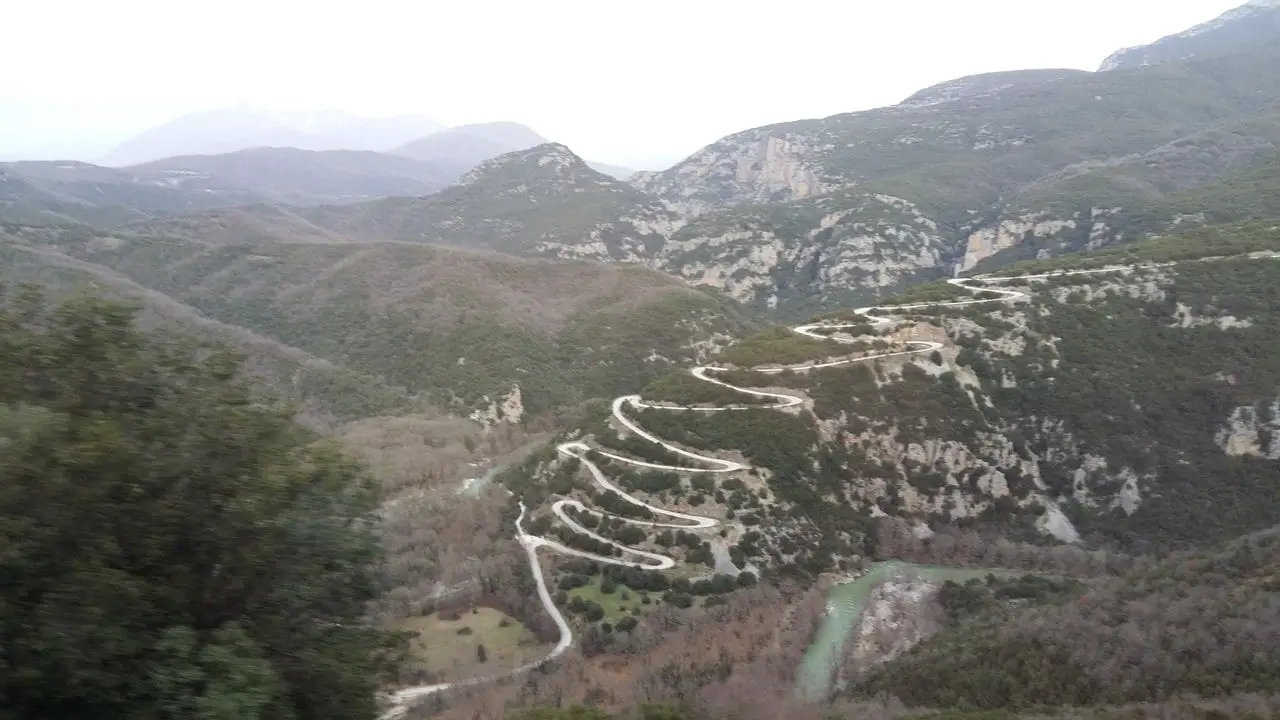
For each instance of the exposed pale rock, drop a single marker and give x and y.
(1008, 233)
(509, 409)
(1249, 432)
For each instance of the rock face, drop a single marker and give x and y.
(828, 251)
(1252, 431)
(753, 166)
(899, 615)
(811, 214)
(983, 169)
(509, 409)
(1006, 234)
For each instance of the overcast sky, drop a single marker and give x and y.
(634, 82)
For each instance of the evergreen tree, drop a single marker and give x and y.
(168, 547)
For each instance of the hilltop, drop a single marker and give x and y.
(463, 148)
(541, 201)
(460, 149)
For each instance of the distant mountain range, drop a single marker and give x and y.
(463, 148)
(59, 192)
(243, 127)
(63, 191)
(450, 152)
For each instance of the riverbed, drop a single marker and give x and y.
(845, 603)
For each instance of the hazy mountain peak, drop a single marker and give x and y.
(244, 126)
(1256, 23)
(463, 147)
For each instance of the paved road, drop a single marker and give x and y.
(707, 463)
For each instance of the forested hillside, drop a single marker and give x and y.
(1089, 412)
(1206, 624)
(465, 330)
(963, 408)
(1022, 417)
(171, 548)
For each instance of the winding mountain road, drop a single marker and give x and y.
(709, 464)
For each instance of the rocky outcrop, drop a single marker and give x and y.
(898, 615)
(832, 249)
(1252, 431)
(1009, 233)
(508, 409)
(751, 167)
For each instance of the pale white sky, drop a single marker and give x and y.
(624, 81)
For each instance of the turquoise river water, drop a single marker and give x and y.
(817, 670)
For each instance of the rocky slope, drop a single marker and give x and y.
(1225, 174)
(983, 162)
(1088, 412)
(964, 153)
(1253, 24)
(825, 251)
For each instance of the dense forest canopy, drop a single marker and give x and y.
(169, 548)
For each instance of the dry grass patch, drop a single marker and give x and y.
(448, 648)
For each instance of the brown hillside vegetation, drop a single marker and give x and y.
(734, 660)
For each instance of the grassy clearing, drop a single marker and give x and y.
(616, 604)
(441, 648)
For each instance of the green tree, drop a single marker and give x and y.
(170, 548)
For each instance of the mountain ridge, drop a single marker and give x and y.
(244, 126)
(204, 182)
(799, 216)
(1254, 23)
